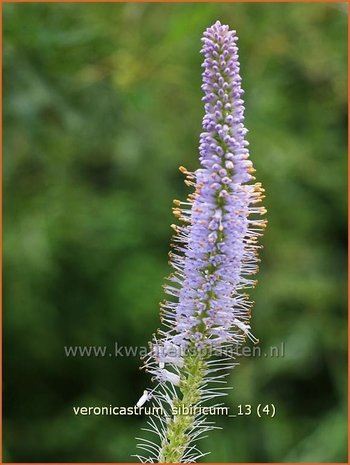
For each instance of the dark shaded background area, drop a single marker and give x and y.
(102, 103)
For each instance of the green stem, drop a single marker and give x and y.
(179, 425)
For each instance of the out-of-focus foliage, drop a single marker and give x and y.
(102, 103)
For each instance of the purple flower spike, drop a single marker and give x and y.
(214, 260)
(217, 251)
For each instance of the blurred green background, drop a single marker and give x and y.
(102, 103)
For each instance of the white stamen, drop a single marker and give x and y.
(245, 328)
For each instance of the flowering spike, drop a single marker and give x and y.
(214, 260)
